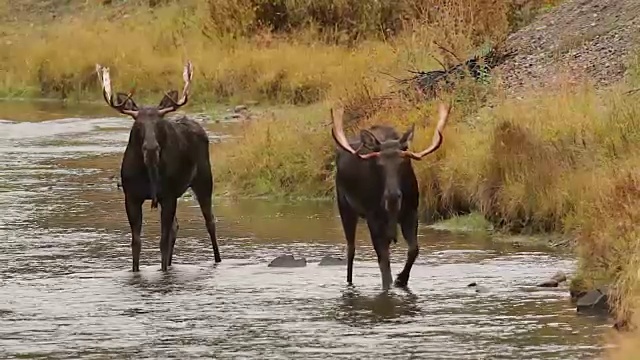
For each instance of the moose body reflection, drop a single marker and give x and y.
(377, 182)
(162, 160)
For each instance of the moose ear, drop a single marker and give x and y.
(129, 105)
(169, 99)
(407, 137)
(369, 140)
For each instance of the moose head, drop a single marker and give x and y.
(388, 154)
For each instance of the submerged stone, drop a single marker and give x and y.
(594, 302)
(548, 283)
(329, 260)
(555, 280)
(559, 277)
(479, 288)
(288, 261)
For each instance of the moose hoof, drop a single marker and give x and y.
(401, 282)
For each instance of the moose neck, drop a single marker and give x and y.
(149, 132)
(391, 191)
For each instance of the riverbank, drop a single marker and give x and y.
(562, 159)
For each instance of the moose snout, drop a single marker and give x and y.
(392, 200)
(151, 151)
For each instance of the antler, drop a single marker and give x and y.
(443, 110)
(187, 75)
(105, 82)
(337, 132)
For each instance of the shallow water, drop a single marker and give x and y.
(66, 290)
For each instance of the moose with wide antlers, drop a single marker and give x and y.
(375, 181)
(162, 160)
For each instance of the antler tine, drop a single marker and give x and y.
(105, 83)
(337, 132)
(187, 75)
(443, 110)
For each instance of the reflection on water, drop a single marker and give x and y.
(66, 290)
(357, 309)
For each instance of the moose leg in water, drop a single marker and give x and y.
(409, 226)
(134, 215)
(174, 236)
(203, 188)
(349, 220)
(167, 216)
(381, 245)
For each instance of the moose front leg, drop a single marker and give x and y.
(133, 207)
(409, 226)
(167, 216)
(349, 219)
(174, 236)
(381, 246)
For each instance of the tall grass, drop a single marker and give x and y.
(284, 51)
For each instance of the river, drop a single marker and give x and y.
(67, 292)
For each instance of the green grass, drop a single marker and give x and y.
(474, 222)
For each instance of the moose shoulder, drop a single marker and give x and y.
(162, 160)
(375, 181)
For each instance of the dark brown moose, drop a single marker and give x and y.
(375, 181)
(162, 160)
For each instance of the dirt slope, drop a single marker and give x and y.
(577, 39)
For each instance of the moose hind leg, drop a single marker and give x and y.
(349, 220)
(203, 188)
(409, 226)
(134, 215)
(167, 216)
(173, 237)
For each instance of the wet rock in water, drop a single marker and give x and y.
(548, 283)
(329, 260)
(479, 288)
(594, 302)
(555, 280)
(576, 294)
(560, 277)
(288, 261)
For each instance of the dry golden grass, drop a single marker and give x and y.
(288, 51)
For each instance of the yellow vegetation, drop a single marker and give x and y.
(285, 51)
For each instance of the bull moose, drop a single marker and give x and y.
(163, 158)
(375, 181)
